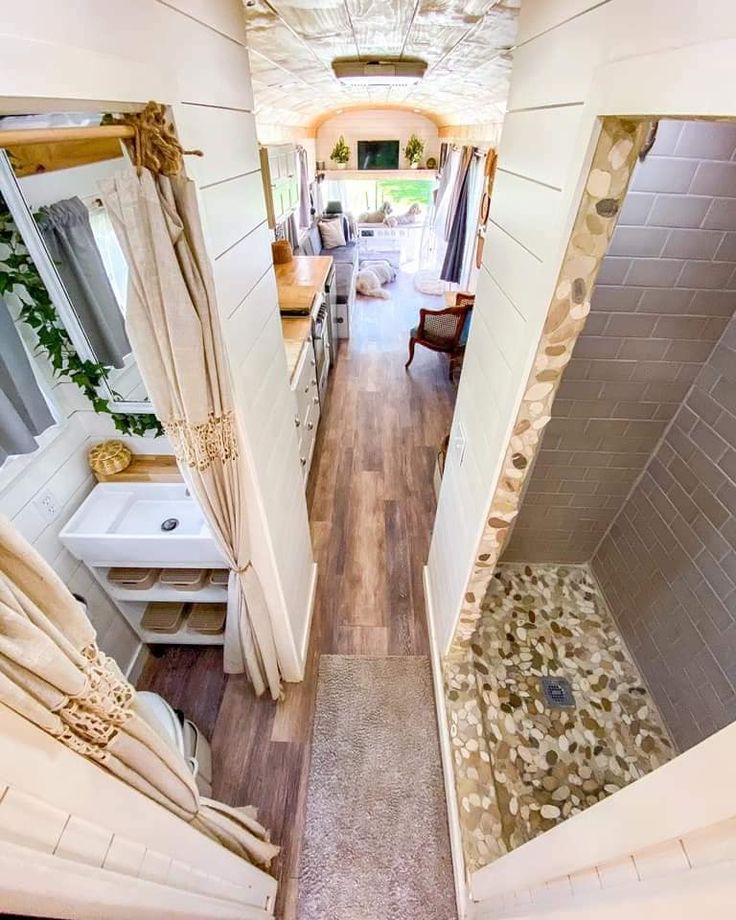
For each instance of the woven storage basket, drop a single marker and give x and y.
(109, 457)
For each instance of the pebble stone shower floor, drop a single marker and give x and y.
(522, 767)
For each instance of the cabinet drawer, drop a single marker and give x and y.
(308, 433)
(304, 382)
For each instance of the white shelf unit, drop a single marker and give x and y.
(132, 604)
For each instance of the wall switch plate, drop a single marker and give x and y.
(459, 442)
(47, 505)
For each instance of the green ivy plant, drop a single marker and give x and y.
(22, 288)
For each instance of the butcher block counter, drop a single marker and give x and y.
(296, 330)
(299, 280)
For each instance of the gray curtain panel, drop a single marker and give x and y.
(24, 412)
(67, 232)
(452, 267)
(305, 202)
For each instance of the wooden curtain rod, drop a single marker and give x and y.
(21, 136)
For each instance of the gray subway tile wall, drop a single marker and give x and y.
(668, 564)
(637, 469)
(663, 297)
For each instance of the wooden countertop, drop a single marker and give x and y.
(299, 280)
(296, 330)
(146, 468)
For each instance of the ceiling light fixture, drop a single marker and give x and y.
(379, 72)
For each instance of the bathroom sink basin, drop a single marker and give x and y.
(140, 523)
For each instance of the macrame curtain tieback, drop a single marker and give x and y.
(243, 568)
(155, 146)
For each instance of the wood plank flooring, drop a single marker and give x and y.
(371, 511)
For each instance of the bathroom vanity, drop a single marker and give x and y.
(154, 529)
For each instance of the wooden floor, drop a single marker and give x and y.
(371, 510)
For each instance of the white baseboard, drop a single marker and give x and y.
(137, 663)
(310, 616)
(453, 815)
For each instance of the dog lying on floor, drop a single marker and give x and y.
(371, 275)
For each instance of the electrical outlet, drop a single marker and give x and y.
(47, 505)
(459, 441)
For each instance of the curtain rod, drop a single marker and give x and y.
(21, 136)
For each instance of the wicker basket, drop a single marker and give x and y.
(109, 457)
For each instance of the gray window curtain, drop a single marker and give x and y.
(24, 412)
(305, 202)
(452, 267)
(67, 232)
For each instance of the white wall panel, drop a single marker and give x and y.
(238, 269)
(525, 132)
(236, 150)
(515, 270)
(527, 211)
(567, 64)
(222, 15)
(539, 16)
(231, 210)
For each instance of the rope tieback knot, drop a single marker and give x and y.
(155, 146)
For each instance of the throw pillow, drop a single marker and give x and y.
(332, 233)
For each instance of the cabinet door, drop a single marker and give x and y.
(274, 164)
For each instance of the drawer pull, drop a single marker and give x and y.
(297, 421)
(306, 388)
(310, 425)
(312, 362)
(303, 461)
(315, 400)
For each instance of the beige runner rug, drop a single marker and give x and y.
(376, 843)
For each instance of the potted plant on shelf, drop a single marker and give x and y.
(340, 153)
(414, 151)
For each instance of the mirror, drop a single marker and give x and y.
(70, 238)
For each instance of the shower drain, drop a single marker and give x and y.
(557, 692)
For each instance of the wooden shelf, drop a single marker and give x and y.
(381, 174)
(146, 468)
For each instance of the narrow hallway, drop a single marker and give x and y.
(371, 511)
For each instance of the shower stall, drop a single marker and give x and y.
(606, 639)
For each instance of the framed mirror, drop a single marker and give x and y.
(70, 239)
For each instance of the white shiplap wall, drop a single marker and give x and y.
(191, 54)
(575, 60)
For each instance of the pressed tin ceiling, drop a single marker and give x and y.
(466, 44)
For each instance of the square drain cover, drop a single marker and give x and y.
(557, 692)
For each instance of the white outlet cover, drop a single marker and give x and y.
(47, 505)
(459, 442)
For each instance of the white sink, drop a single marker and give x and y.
(120, 524)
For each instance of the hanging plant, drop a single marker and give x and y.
(414, 151)
(21, 287)
(340, 152)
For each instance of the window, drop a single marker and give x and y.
(360, 195)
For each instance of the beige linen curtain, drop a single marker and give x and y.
(52, 673)
(172, 322)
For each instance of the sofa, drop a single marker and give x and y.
(346, 268)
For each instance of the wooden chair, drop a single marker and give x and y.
(443, 330)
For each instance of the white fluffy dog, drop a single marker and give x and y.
(371, 275)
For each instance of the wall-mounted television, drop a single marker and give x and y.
(378, 154)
